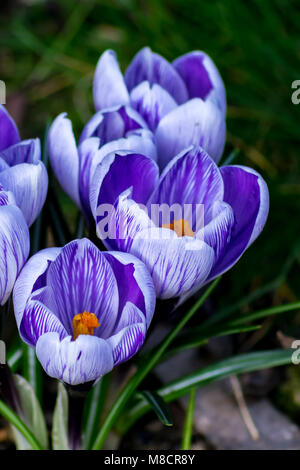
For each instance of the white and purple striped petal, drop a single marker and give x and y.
(130, 339)
(191, 178)
(63, 155)
(32, 277)
(135, 287)
(109, 87)
(151, 67)
(196, 122)
(29, 184)
(112, 124)
(14, 247)
(74, 362)
(27, 151)
(152, 102)
(9, 134)
(176, 264)
(82, 279)
(38, 320)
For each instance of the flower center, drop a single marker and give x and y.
(84, 324)
(181, 227)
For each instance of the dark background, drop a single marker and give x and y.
(48, 53)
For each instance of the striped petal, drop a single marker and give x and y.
(14, 248)
(129, 340)
(122, 225)
(176, 264)
(192, 178)
(151, 67)
(27, 151)
(112, 124)
(82, 279)
(152, 102)
(74, 362)
(29, 184)
(196, 122)
(135, 287)
(63, 155)
(38, 320)
(109, 87)
(32, 277)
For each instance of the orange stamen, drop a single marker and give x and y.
(181, 227)
(84, 324)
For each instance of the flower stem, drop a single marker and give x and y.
(137, 378)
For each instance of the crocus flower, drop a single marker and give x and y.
(85, 311)
(183, 103)
(21, 169)
(14, 243)
(74, 166)
(226, 209)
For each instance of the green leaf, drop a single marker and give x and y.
(14, 419)
(60, 440)
(159, 406)
(93, 409)
(127, 392)
(33, 415)
(32, 370)
(189, 420)
(234, 365)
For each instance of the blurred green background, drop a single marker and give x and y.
(48, 53)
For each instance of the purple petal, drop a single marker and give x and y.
(135, 286)
(27, 151)
(202, 78)
(129, 340)
(151, 67)
(112, 124)
(3, 165)
(74, 362)
(109, 88)
(38, 320)
(82, 279)
(196, 122)
(247, 193)
(176, 264)
(191, 178)
(64, 156)
(29, 277)
(14, 248)
(152, 102)
(90, 156)
(118, 172)
(29, 184)
(9, 134)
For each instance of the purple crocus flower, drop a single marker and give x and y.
(157, 110)
(14, 243)
(21, 170)
(221, 212)
(183, 103)
(74, 166)
(83, 310)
